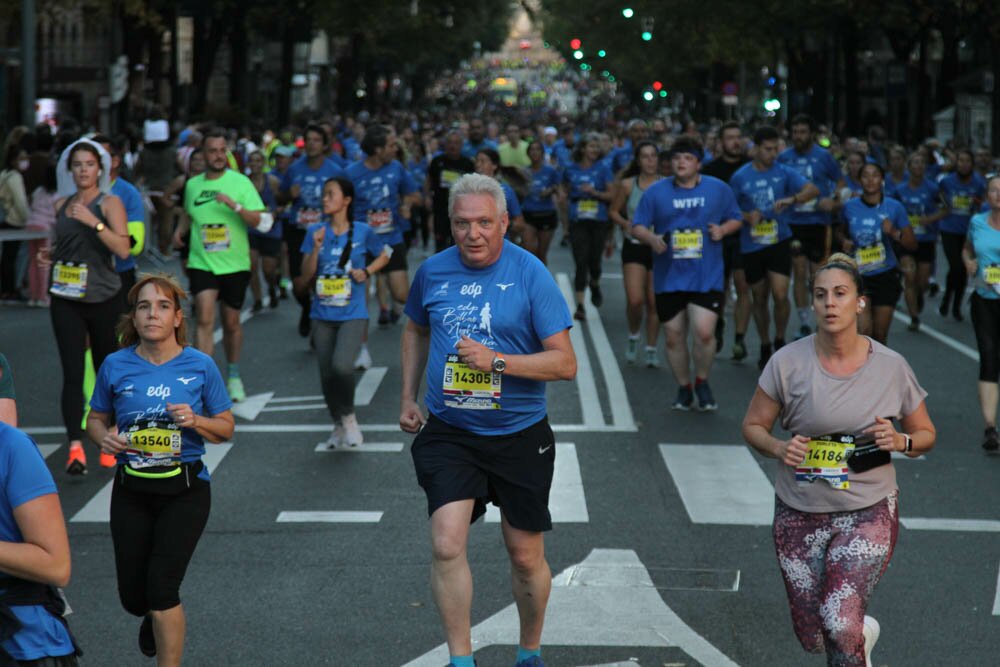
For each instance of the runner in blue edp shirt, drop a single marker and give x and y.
(758, 191)
(337, 297)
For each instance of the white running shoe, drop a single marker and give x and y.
(337, 438)
(364, 360)
(632, 351)
(871, 631)
(352, 432)
(652, 361)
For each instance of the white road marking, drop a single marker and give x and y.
(329, 517)
(996, 598)
(293, 408)
(98, 508)
(244, 316)
(567, 502)
(361, 449)
(720, 484)
(251, 406)
(956, 525)
(590, 402)
(959, 347)
(297, 399)
(607, 600)
(48, 450)
(621, 409)
(368, 385)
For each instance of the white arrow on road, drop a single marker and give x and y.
(251, 406)
(607, 600)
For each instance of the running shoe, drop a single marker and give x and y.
(383, 318)
(147, 640)
(933, 289)
(284, 287)
(393, 317)
(871, 631)
(257, 307)
(706, 401)
(533, 661)
(580, 313)
(305, 324)
(765, 356)
(337, 437)
(632, 350)
(273, 296)
(76, 464)
(991, 441)
(108, 460)
(684, 400)
(652, 361)
(235, 388)
(739, 351)
(804, 331)
(352, 432)
(364, 360)
(596, 297)
(914, 324)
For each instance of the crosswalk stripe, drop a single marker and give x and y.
(590, 403)
(296, 399)
(957, 525)
(720, 484)
(98, 508)
(567, 501)
(329, 517)
(361, 449)
(368, 385)
(48, 450)
(293, 408)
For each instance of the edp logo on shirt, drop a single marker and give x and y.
(160, 391)
(474, 290)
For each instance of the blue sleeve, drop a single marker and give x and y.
(101, 399)
(646, 210)
(286, 179)
(742, 200)
(406, 182)
(134, 210)
(373, 245)
(214, 395)
(513, 205)
(899, 217)
(549, 312)
(609, 176)
(307, 240)
(794, 180)
(730, 211)
(27, 475)
(832, 169)
(415, 301)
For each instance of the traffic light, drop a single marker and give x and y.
(575, 44)
(602, 53)
(628, 13)
(657, 86)
(647, 28)
(578, 54)
(646, 35)
(648, 96)
(772, 105)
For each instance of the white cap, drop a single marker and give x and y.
(550, 130)
(155, 130)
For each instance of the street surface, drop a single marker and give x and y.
(661, 552)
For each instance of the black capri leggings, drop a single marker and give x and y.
(986, 322)
(588, 239)
(957, 275)
(72, 323)
(154, 537)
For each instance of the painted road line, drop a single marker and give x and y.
(244, 316)
(590, 402)
(251, 406)
(98, 508)
(567, 503)
(293, 408)
(954, 525)
(324, 427)
(366, 448)
(368, 385)
(48, 450)
(959, 347)
(329, 517)
(996, 598)
(607, 600)
(621, 409)
(720, 484)
(297, 399)
(900, 456)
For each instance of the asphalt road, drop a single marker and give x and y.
(662, 553)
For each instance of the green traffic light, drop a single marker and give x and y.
(602, 53)
(647, 35)
(628, 13)
(611, 78)
(663, 93)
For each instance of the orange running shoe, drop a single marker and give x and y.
(108, 460)
(77, 462)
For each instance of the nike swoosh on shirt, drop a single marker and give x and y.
(205, 197)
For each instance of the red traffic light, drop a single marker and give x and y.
(574, 43)
(657, 86)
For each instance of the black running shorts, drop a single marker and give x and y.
(669, 304)
(232, 287)
(810, 240)
(775, 258)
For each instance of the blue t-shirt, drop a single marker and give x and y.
(271, 206)
(307, 208)
(510, 306)
(470, 149)
(418, 171)
(377, 195)
(513, 205)
(352, 149)
(819, 168)
(23, 478)
(543, 179)
(872, 249)
(963, 200)
(135, 211)
(692, 261)
(336, 297)
(620, 157)
(584, 207)
(986, 243)
(921, 201)
(136, 392)
(757, 191)
(563, 154)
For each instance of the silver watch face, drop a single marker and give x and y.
(499, 365)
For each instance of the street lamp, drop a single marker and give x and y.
(628, 13)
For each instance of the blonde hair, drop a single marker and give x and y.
(127, 333)
(844, 262)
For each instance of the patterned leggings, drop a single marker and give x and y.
(830, 563)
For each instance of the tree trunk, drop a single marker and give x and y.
(852, 97)
(208, 35)
(924, 128)
(287, 71)
(238, 62)
(995, 122)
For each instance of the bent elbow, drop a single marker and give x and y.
(60, 574)
(569, 370)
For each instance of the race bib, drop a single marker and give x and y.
(586, 209)
(871, 257)
(686, 243)
(765, 232)
(826, 459)
(308, 216)
(69, 280)
(153, 444)
(381, 221)
(961, 204)
(467, 389)
(448, 178)
(215, 238)
(918, 229)
(991, 274)
(333, 290)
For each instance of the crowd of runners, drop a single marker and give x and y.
(447, 228)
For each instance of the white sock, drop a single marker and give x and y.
(633, 336)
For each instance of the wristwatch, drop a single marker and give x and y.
(499, 364)
(909, 444)
(100, 227)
